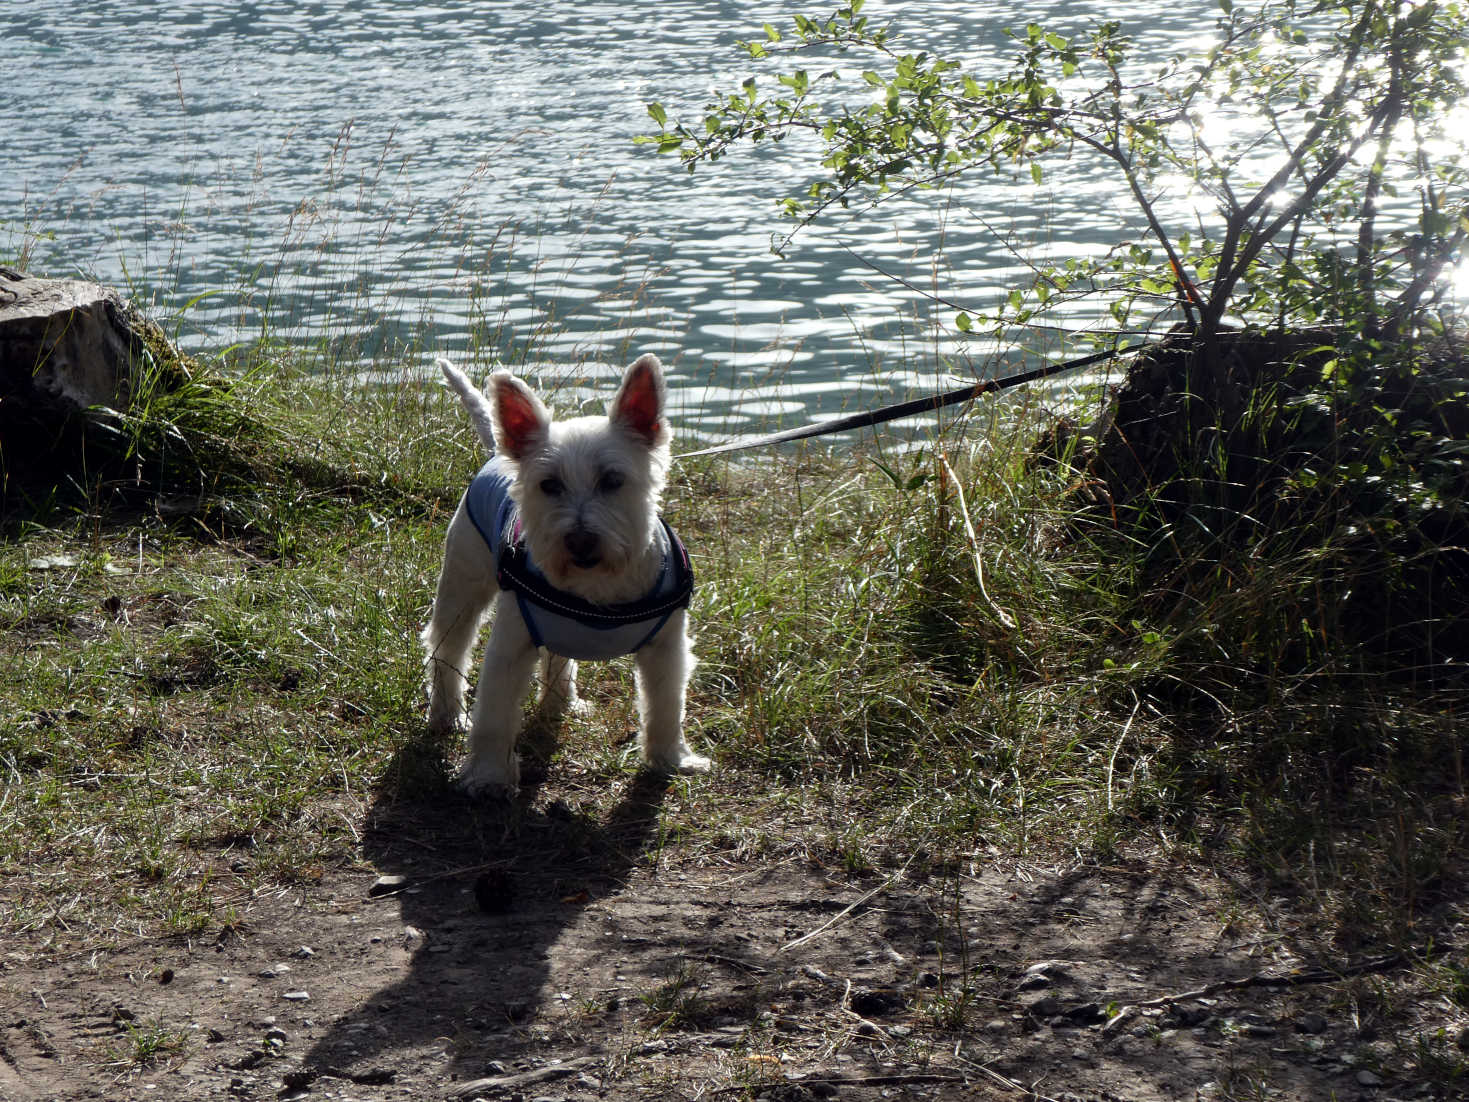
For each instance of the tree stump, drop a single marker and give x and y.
(65, 345)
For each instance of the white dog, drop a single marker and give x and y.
(561, 529)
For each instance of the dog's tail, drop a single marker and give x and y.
(475, 402)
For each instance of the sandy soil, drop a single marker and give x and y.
(564, 951)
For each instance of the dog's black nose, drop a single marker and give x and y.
(583, 546)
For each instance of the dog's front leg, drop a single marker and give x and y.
(663, 669)
(504, 679)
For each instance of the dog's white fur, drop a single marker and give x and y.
(588, 491)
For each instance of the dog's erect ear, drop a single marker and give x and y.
(639, 404)
(522, 422)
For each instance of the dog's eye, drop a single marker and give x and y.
(610, 482)
(551, 487)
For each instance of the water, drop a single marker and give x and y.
(390, 178)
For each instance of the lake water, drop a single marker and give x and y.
(387, 178)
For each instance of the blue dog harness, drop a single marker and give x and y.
(562, 622)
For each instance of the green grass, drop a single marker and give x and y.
(196, 703)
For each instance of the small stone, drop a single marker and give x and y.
(494, 892)
(1047, 1007)
(876, 1002)
(1043, 973)
(297, 996)
(387, 885)
(276, 1035)
(1367, 1078)
(304, 952)
(1311, 1023)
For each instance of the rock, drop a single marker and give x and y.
(1311, 1023)
(1047, 1007)
(1044, 973)
(300, 1079)
(1367, 1078)
(386, 885)
(65, 345)
(494, 891)
(875, 1002)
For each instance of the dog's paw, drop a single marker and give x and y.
(446, 724)
(556, 706)
(489, 780)
(694, 763)
(683, 760)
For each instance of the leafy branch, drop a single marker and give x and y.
(1346, 111)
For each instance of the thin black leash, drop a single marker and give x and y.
(911, 407)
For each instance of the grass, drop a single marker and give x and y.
(919, 656)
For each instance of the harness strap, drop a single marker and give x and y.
(514, 574)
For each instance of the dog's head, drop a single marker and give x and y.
(589, 487)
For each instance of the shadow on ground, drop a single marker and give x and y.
(487, 889)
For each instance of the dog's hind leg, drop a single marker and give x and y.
(504, 680)
(558, 687)
(466, 584)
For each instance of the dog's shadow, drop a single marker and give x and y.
(488, 888)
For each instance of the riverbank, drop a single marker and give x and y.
(969, 828)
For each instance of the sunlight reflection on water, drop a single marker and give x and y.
(383, 179)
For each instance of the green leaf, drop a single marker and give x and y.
(964, 322)
(660, 116)
(771, 33)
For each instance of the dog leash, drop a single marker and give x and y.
(910, 408)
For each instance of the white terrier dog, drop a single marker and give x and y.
(561, 529)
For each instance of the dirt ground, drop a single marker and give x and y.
(565, 950)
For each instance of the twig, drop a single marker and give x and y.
(827, 925)
(895, 1079)
(523, 1079)
(999, 613)
(1030, 1093)
(1289, 979)
(1112, 761)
